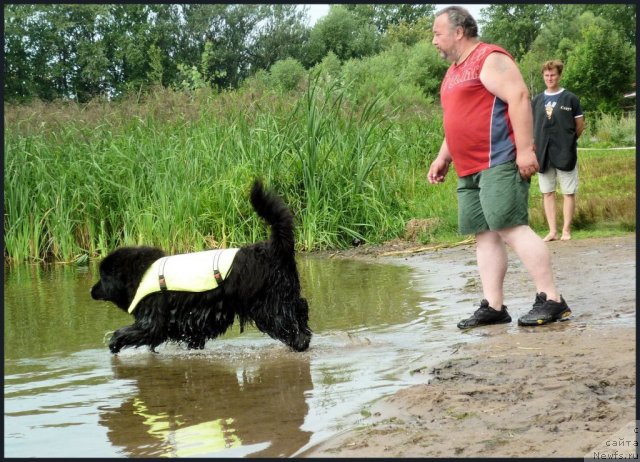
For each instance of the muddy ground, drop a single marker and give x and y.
(562, 390)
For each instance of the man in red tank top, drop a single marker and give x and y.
(488, 129)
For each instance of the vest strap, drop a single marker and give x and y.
(216, 268)
(161, 280)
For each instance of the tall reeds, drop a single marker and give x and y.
(174, 171)
(180, 180)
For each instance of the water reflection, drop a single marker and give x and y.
(349, 295)
(198, 406)
(49, 310)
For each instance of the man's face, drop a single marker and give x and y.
(444, 37)
(551, 78)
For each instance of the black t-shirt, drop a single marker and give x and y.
(554, 129)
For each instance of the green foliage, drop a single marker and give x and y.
(329, 70)
(559, 33)
(177, 174)
(409, 76)
(599, 62)
(606, 197)
(609, 131)
(282, 35)
(80, 52)
(155, 63)
(342, 33)
(513, 26)
(287, 74)
(385, 16)
(621, 16)
(409, 33)
(426, 68)
(173, 170)
(601, 67)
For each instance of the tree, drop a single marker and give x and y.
(409, 33)
(81, 51)
(601, 67)
(126, 41)
(18, 80)
(282, 35)
(343, 33)
(386, 15)
(513, 26)
(621, 16)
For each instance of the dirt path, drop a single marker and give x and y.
(563, 390)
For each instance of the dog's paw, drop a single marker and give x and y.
(114, 349)
(115, 344)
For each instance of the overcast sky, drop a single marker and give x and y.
(318, 11)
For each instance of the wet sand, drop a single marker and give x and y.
(561, 390)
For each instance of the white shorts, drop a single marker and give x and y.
(549, 179)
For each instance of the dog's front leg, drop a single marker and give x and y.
(135, 336)
(122, 338)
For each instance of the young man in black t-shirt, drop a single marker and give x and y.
(558, 123)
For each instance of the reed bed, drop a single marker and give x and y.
(174, 170)
(180, 181)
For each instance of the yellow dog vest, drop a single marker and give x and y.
(188, 272)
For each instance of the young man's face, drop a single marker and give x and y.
(551, 79)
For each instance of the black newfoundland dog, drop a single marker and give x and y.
(195, 297)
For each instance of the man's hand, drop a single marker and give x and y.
(438, 170)
(527, 163)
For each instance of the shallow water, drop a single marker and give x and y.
(244, 395)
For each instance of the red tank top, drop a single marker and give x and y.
(476, 122)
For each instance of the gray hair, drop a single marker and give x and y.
(460, 17)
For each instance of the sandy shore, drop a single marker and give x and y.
(562, 390)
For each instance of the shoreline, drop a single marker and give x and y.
(559, 390)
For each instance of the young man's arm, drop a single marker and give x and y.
(579, 126)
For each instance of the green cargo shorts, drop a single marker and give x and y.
(493, 199)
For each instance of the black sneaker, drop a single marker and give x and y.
(485, 315)
(545, 311)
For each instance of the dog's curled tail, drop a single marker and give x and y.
(276, 213)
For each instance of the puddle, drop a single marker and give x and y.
(244, 395)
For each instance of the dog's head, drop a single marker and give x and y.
(288, 325)
(121, 272)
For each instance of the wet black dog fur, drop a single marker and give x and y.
(263, 288)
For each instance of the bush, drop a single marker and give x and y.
(608, 130)
(287, 74)
(409, 76)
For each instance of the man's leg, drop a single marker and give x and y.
(490, 252)
(549, 200)
(549, 306)
(535, 256)
(568, 186)
(491, 256)
(568, 209)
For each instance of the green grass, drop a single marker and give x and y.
(606, 197)
(174, 170)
